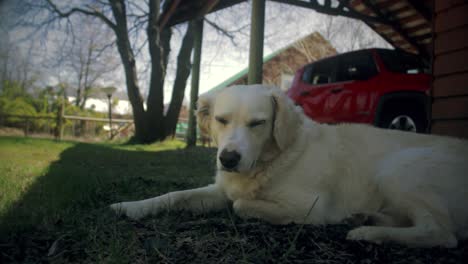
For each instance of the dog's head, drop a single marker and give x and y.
(248, 124)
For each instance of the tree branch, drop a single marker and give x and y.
(92, 12)
(222, 31)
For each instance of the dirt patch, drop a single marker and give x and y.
(11, 131)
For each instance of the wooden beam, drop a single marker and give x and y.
(197, 49)
(423, 27)
(454, 128)
(421, 38)
(412, 19)
(190, 13)
(421, 8)
(379, 28)
(207, 7)
(168, 14)
(256, 41)
(396, 27)
(405, 13)
(401, 9)
(392, 5)
(334, 11)
(86, 118)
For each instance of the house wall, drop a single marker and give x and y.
(287, 62)
(450, 68)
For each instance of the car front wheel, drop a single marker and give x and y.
(410, 121)
(403, 122)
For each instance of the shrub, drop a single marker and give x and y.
(17, 107)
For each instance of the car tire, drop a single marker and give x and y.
(404, 120)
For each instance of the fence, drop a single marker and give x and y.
(83, 128)
(43, 124)
(66, 126)
(97, 128)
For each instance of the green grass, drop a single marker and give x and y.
(54, 199)
(22, 163)
(41, 178)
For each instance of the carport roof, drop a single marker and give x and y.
(408, 24)
(405, 24)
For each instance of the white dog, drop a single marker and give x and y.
(275, 164)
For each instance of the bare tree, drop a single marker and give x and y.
(331, 27)
(349, 34)
(16, 66)
(129, 21)
(311, 50)
(89, 57)
(5, 59)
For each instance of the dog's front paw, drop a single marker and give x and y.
(130, 209)
(366, 233)
(246, 209)
(240, 208)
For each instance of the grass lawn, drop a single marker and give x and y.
(54, 201)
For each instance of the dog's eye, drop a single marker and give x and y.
(255, 123)
(221, 120)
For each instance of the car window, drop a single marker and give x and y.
(321, 72)
(402, 62)
(356, 66)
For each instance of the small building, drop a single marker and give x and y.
(100, 103)
(279, 67)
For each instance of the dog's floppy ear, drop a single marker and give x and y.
(287, 119)
(204, 112)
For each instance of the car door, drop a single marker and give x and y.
(316, 82)
(350, 98)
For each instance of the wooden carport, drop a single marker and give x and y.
(436, 30)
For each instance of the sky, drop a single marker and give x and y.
(222, 57)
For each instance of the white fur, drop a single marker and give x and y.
(413, 187)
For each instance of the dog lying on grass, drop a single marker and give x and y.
(275, 164)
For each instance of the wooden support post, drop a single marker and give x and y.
(191, 136)
(26, 127)
(59, 122)
(109, 97)
(257, 27)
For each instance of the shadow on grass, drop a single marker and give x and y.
(69, 204)
(64, 218)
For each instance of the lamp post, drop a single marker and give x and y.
(109, 91)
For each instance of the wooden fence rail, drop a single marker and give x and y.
(55, 124)
(97, 119)
(78, 126)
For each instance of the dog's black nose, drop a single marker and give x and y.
(229, 159)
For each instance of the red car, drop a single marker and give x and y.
(383, 87)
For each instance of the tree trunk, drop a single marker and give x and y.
(86, 85)
(182, 74)
(157, 40)
(128, 61)
(80, 85)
